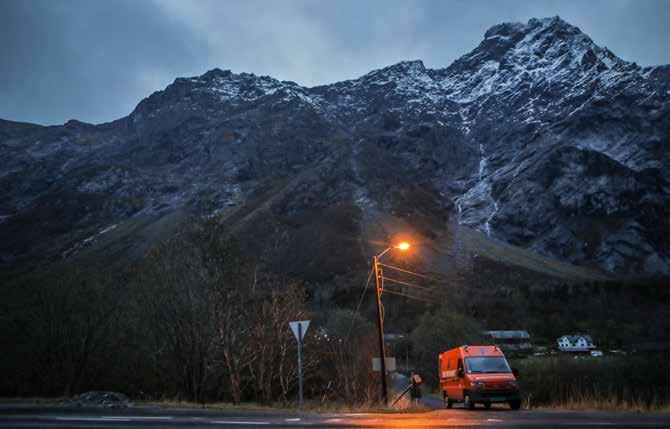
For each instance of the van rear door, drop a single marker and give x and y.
(448, 375)
(454, 384)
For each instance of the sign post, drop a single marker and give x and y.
(299, 328)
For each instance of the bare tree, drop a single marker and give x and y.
(67, 320)
(180, 298)
(347, 346)
(232, 323)
(272, 339)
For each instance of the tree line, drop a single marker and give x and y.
(194, 320)
(200, 318)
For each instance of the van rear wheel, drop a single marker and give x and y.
(447, 402)
(467, 403)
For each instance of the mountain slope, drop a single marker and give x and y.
(538, 138)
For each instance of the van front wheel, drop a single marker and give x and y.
(515, 405)
(467, 403)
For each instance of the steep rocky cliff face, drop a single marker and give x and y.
(538, 138)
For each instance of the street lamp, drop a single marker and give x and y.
(402, 246)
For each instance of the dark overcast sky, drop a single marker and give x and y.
(94, 61)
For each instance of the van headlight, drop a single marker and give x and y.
(478, 384)
(513, 384)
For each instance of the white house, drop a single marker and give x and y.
(575, 343)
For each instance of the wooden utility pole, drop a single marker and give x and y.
(380, 329)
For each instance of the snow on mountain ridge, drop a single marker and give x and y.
(539, 52)
(508, 133)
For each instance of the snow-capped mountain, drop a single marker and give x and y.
(538, 137)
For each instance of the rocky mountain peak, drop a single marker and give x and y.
(553, 27)
(411, 66)
(534, 138)
(215, 88)
(216, 73)
(403, 70)
(570, 41)
(540, 43)
(555, 23)
(544, 53)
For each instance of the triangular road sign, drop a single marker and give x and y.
(304, 324)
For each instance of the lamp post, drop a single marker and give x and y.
(380, 322)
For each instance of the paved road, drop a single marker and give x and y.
(50, 417)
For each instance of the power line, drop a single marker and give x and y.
(407, 284)
(410, 296)
(406, 271)
(358, 307)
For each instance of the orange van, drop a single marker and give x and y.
(477, 374)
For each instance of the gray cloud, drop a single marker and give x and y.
(87, 60)
(94, 60)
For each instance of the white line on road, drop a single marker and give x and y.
(624, 423)
(231, 422)
(493, 420)
(95, 419)
(292, 420)
(591, 424)
(333, 420)
(140, 417)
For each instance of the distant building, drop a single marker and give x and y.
(575, 343)
(511, 341)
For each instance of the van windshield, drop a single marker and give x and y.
(486, 364)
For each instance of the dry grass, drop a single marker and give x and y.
(612, 401)
(589, 404)
(32, 400)
(309, 406)
(633, 383)
(168, 403)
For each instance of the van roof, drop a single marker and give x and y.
(467, 350)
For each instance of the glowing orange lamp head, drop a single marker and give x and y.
(402, 246)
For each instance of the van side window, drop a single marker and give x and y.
(460, 365)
